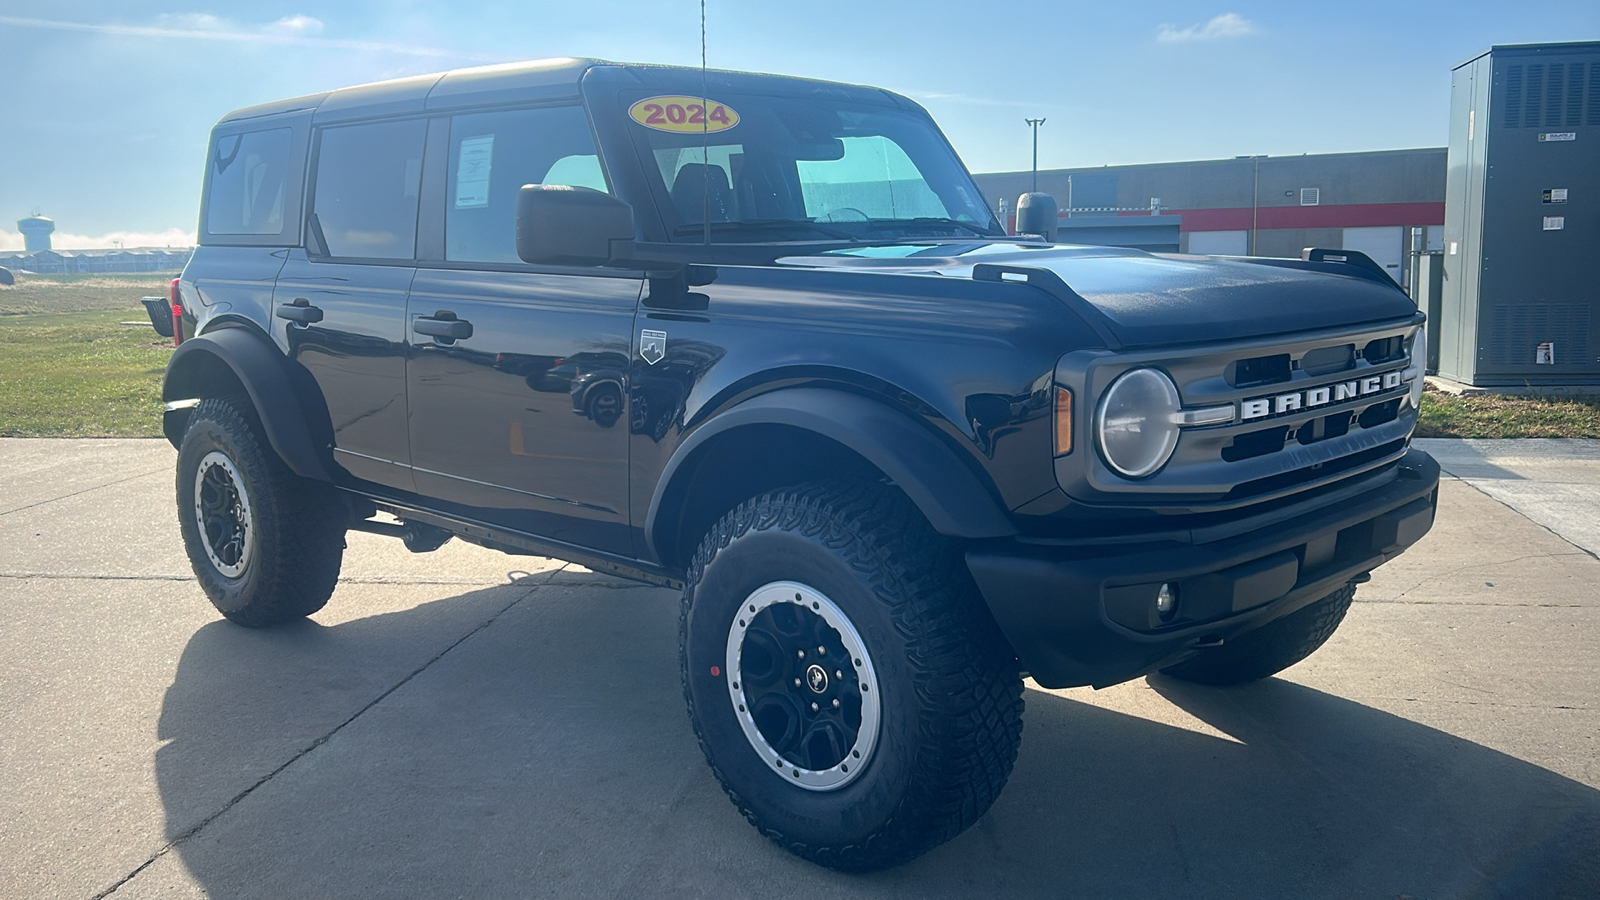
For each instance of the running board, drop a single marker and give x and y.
(526, 545)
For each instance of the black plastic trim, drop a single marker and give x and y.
(948, 493)
(1051, 602)
(264, 372)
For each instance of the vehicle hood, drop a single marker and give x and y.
(1145, 299)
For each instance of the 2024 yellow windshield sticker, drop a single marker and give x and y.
(683, 115)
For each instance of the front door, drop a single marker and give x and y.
(517, 378)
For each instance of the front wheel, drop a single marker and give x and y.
(265, 545)
(1271, 648)
(848, 687)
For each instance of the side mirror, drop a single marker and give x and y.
(1036, 214)
(571, 226)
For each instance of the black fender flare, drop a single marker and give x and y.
(265, 373)
(949, 494)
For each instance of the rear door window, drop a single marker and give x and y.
(368, 178)
(249, 182)
(492, 155)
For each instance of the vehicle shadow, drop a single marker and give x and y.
(549, 755)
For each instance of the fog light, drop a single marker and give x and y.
(1167, 601)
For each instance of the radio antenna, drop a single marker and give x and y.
(705, 137)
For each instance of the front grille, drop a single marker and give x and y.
(1308, 410)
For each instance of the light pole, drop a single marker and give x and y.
(1035, 123)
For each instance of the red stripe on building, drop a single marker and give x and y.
(1350, 215)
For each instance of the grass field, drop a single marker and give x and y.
(1493, 416)
(67, 369)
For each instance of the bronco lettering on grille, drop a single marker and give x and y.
(1325, 395)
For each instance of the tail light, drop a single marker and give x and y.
(177, 314)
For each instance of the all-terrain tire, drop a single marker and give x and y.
(1271, 648)
(947, 679)
(274, 543)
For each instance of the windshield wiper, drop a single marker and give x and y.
(764, 225)
(930, 220)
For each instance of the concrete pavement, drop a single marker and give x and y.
(465, 723)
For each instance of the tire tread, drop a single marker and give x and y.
(970, 689)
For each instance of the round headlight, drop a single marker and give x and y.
(1136, 425)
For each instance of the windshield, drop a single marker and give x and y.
(760, 168)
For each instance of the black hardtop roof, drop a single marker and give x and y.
(535, 81)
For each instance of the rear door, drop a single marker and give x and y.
(342, 300)
(517, 377)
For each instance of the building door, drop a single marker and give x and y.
(1219, 243)
(1385, 244)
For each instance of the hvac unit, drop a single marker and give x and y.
(1521, 300)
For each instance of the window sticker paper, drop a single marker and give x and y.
(472, 172)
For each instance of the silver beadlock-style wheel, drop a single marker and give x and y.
(802, 682)
(222, 512)
(847, 686)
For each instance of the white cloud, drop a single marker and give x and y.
(127, 240)
(1227, 25)
(298, 30)
(298, 24)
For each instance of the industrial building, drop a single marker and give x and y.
(78, 262)
(38, 256)
(1249, 205)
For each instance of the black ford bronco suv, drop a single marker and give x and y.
(760, 339)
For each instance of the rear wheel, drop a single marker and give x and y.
(1271, 648)
(848, 687)
(265, 545)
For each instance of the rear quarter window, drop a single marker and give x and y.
(249, 182)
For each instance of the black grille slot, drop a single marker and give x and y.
(1259, 370)
(1574, 116)
(1325, 428)
(1379, 413)
(1327, 360)
(1384, 350)
(1594, 95)
(1535, 96)
(1256, 443)
(1555, 94)
(1514, 97)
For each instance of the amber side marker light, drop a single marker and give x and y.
(1063, 421)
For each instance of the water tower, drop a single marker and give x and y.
(36, 231)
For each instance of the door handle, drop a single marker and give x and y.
(443, 325)
(300, 312)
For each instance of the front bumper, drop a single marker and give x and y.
(1085, 614)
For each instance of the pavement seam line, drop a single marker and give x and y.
(84, 491)
(240, 797)
(1581, 549)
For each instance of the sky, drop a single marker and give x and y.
(105, 107)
